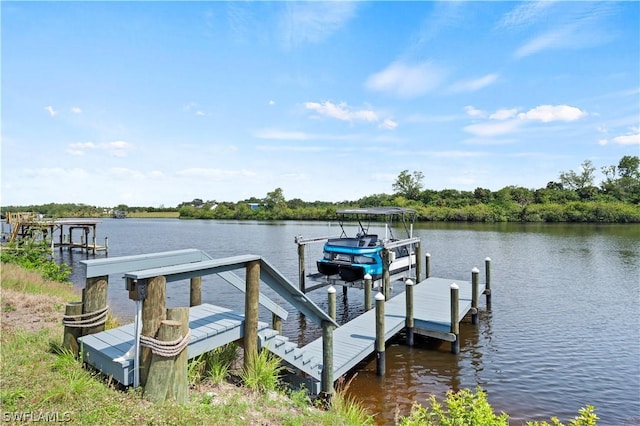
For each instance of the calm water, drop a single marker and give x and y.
(563, 332)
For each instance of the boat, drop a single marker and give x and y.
(353, 257)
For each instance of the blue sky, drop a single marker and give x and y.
(151, 104)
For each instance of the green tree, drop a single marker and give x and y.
(408, 185)
(576, 181)
(275, 200)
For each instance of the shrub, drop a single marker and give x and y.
(463, 408)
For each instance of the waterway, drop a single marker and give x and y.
(563, 331)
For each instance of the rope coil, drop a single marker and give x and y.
(86, 320)
(166, 349)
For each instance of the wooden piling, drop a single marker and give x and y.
(368, 286)
(159, 382)
(455, 326)
(380, 340)
(71, 334)
(251, 305)
(326, 378)
(487, 271)
(475, 272)
(95, 299)
(409, 323)
(195, 291)
(276, 323)
(331, 293)
(386, 279)
(427, 270)
(154, 311)
(418, 254)
(301, 269)
(180, 380)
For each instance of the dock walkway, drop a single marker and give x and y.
(355, 340)
(211, 326)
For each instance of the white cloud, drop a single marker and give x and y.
(52, 112)
(281, 135)
(551, 39)
(115, 148)
(504, 114)
(407, 81)
(313, 22)
(342, 111)
(631, 139)
(277, 134)
(473, 111)
(525, 13)
(474, 84)
(493, 128)
(214, 174)
(507, 120)
(388, 124)
(549, 113)
(76, 110)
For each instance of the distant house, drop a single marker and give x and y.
(119, 214)
(254, 206)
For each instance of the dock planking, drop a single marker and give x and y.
(355, 341)
(211, 326)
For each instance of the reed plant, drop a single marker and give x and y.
(213, 365)
(262, 372)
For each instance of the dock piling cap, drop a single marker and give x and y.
(379, 296)
(454, 286)
(408, 282)
(331, 290)
(475, 270)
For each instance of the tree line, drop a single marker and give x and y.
(573, 197)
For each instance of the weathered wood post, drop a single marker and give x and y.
(180, 380)
(251, 306)
(427, 270)
(368, 286)
(475, 272)
(276, 323)
(94, 297)
(72, 312)
(455, 326)
(95, 242)
(331, 293)
(195, 291)
(380, 341)
(418, 254)
(301, 268)
(487, 271)
(154, 311)
(386, 279)
(409, 319)
(326, 378)
(106, 245)
(160, 376)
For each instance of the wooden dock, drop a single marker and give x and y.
(30, 225)
(211, 326)
(355, 341)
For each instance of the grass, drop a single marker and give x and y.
(41, 380)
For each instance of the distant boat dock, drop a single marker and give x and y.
(58, 232)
